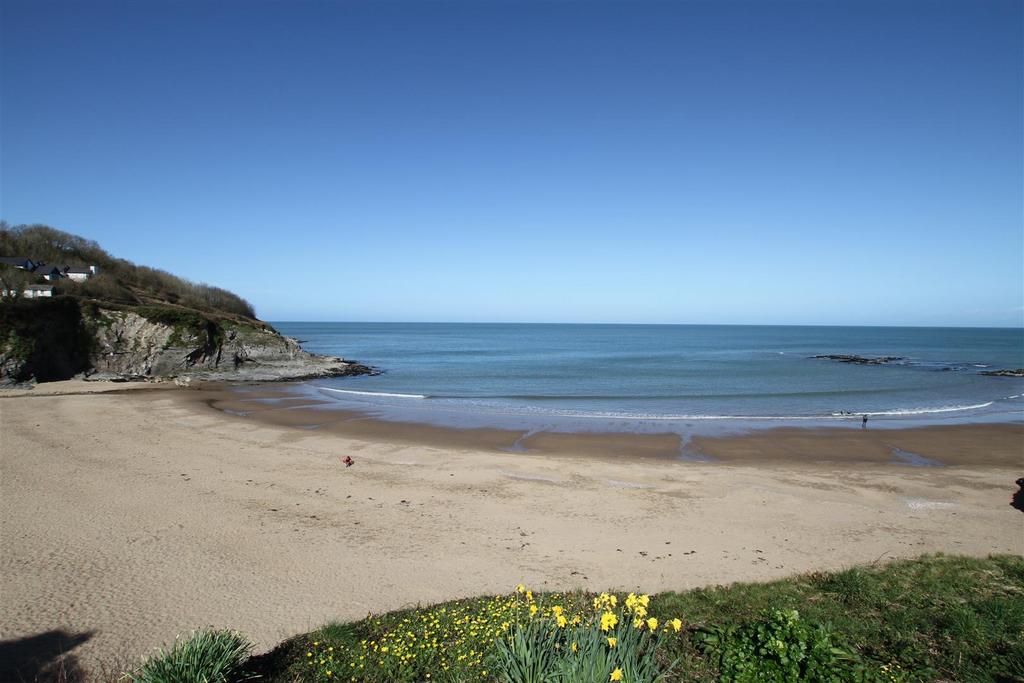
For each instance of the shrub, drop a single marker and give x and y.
(104, 287)
(46, 339)
(174, 317)
(780, 647)
(207, 656)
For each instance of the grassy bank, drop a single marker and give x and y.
(933, 618)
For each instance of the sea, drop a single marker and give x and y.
(656, 378)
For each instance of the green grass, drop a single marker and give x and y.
(935, 618)
(938, 618)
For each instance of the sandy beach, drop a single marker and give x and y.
(129, 517)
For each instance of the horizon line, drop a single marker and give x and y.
(634, 324)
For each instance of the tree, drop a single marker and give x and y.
(13, 281)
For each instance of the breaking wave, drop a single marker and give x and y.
(372, 393)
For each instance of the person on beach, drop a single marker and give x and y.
(864, 422)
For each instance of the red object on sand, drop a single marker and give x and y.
(348, 461)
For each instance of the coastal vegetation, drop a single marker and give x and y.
(935, 618)
(44, 340)
(118, 281)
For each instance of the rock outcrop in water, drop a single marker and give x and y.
(860, 360)
(60, 338)
(1019, 372)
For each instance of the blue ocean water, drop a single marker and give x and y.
(543, 376)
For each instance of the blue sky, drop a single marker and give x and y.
(677, 162)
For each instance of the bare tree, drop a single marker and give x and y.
(13, 281)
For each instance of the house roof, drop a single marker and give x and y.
(77, 269)
(47, 270)
(40, 288)
(15, 260)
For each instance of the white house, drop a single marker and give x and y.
(36, 291)
(80, 273)
(32, 291)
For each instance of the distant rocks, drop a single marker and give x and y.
(1019, 372)
(860, 360)
(900, 360)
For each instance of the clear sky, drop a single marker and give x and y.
(678, 162)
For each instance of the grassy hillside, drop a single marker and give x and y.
(129, 321)
(119, 282)
(935, 618)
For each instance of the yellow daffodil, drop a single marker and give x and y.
(652, 624)
(520, 588)
(533, 610)
(575, 647)
(608, 621)
(638, 623)
(616, 675)
(612, 642)
(676, 625)
(561, 621)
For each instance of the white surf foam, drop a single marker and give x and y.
(924, 411)
(894, 412)
(371, 393)
(603, 415)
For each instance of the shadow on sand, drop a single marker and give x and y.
(42, 658)
(1018, 498)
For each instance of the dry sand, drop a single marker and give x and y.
(128, 518)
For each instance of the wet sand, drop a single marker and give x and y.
(131, 517)
(840, 446)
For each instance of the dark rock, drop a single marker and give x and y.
(58, 339)
(860, 360)
(1019, 372)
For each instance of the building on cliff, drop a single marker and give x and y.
(79, 273)
(22, 262)
(31, 291)
(48, 273)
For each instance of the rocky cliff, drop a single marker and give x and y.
(46, 340)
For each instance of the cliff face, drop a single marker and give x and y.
(49, 340)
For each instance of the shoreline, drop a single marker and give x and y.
(133, 516)
(981, 443)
